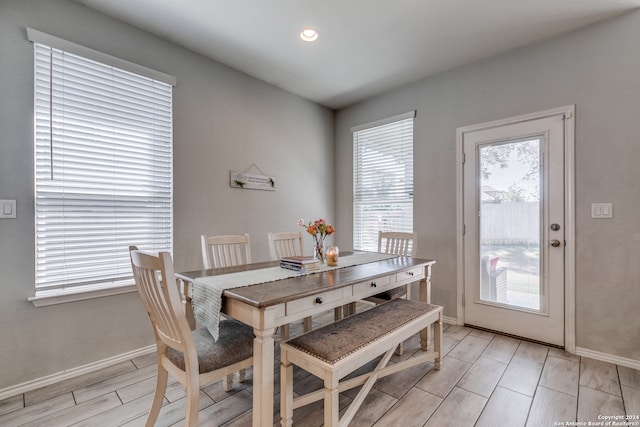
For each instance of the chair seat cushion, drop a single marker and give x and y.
(234, 344)
(392, 293)
(337, 340)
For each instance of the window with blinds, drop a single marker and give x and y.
(103, 171)
(383, 179)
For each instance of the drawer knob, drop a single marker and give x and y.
(410, 273)
(373, 284)
(318, 300)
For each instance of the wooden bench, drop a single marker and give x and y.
(334, 351)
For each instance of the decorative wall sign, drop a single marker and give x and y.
(251, 181)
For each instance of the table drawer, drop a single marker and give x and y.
(412, 275)
(371, 287)
(314, 301)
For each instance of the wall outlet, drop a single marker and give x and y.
(7, 209)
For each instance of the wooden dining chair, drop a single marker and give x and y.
(225, 251)
(284, 244)
(192, 357)
(395, 243)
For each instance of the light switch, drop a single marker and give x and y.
(8, 209)
(601, 210)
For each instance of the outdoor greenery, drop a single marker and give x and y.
(522, 156)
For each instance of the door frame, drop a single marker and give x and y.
(569, 212)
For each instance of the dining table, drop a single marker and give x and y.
(265, 303)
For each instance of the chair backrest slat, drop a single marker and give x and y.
(397, 243)
(283, 244)
(225, 251)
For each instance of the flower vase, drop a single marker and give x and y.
(319, 252)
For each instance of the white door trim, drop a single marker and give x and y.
(569, 209)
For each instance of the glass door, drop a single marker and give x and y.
(513, 212)
(510, 212)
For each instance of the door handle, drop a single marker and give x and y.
(555, 243)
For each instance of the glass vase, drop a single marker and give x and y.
(319, 252)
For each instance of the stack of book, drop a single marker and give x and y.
(299, 263)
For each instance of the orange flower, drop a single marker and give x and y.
(319, 228)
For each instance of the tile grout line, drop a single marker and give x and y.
(535, 393)
(578, 393)
(624, 406)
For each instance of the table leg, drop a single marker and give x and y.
(188, 305)
(425, 296)
(263, 360)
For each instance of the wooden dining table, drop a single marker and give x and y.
(265, 306)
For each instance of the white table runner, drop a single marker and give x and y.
(207, 291)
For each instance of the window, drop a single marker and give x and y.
(103, 167)
(382, 179)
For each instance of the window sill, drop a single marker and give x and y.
(42, 299)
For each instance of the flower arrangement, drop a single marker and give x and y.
(319, 230)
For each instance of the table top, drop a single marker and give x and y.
(281, 291)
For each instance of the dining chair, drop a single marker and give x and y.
(284, 244)
(225, 251)
(395, 243)
(192, 357)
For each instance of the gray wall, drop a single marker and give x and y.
(596, 68)
(223, 120)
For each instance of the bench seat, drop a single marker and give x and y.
(334, 351)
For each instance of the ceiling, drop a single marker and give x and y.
(365, 47)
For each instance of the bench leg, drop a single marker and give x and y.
(437, 341)
(400, 349)
(227, 382)
(425, 337)
(286, 391)
(425, 296)
(331, 400)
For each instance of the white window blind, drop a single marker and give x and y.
(383, 181)
(103, 171)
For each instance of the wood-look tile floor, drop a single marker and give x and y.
(485, 380)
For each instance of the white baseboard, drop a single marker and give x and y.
(449, 320)
(73, 372)
(580, 351)
(605, 357)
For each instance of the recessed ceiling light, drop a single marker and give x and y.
(309, 35)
